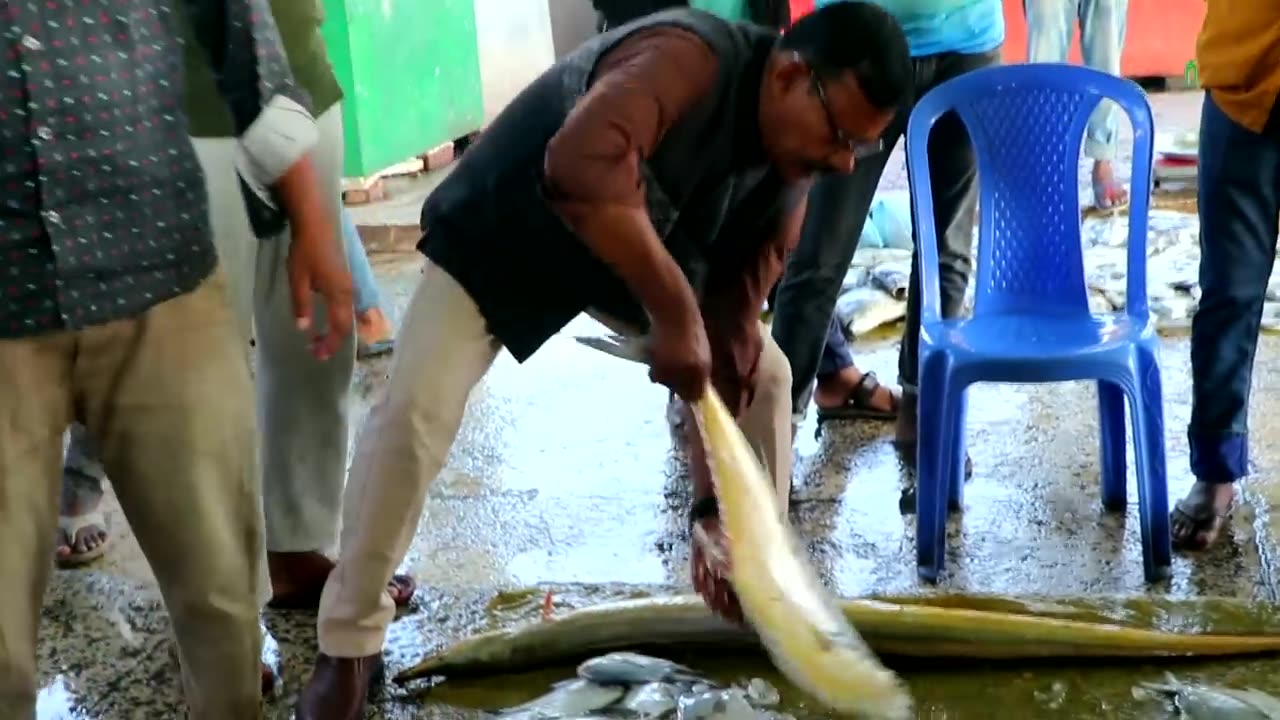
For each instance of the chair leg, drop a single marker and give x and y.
(955, 485)
(1153, 483)
(934, 451)
(1112, 435)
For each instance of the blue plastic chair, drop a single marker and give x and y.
(1031, 320)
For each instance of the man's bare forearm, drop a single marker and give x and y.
(298, 187)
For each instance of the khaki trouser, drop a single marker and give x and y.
(302, 401)
(443, 350)
(167, 399)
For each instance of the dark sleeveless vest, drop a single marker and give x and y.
(489, 226)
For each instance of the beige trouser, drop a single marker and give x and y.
(302, 401)
(167, 398)
(443, 350)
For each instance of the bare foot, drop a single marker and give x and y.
(297, 580)
(853, 394)
(373, 327)
(1197, 520)
(82, 533)
(374, 335)
(1108, 193)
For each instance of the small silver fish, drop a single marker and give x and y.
(625, 668)
(761, 694)
(570, 698)
(892, 278)
(650, 700)
(855, 277)
(1100, 303)
(864, 309)
(716, 705)
(1271, 316)
(1211, 702)
(871, 257)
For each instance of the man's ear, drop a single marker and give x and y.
(790, 70)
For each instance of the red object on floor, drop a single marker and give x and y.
(1161, 39)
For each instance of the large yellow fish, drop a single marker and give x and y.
(805, 634)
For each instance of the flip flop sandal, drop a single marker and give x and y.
(71, 526)
(374, 349)
(404, 589)
(858, 404)
(1203, 522)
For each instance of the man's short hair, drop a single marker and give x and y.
(856, 37)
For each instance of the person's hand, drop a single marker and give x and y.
(709, 570)
(680, 355)
(316, 267)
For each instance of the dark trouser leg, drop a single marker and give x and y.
(806, 299)
(836, 355)
(1238, 197)
(953, 174)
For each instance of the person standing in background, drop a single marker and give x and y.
(948, 38)
(114, 313)
(302, 400)
(1238, 55)
(374, 335)
(1050, 26)
(302, 404)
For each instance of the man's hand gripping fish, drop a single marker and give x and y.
(799, 625)
(805, 634)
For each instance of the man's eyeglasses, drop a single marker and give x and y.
(858, 148)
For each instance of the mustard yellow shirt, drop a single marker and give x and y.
(1238, 58)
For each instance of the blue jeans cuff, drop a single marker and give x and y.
(1219, 458)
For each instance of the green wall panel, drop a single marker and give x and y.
(731, 9)
(411, 74)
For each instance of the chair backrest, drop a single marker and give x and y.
(1027, 123)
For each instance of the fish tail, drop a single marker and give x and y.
(428, 667)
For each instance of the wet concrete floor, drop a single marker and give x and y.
(563, 477)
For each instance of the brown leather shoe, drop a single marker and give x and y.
(268, 679)
(339, 688)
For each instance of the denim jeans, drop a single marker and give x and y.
(836, 354)
(1050, 26)
(364, 285)
(1239, 197)
(838, 207)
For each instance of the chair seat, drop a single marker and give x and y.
(1030, 337)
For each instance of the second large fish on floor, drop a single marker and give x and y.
(943, 627)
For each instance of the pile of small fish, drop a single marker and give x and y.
(1194, 701)
(874, 291)
(628, 685)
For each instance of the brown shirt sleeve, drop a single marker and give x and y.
(642, 86)
(737, 286)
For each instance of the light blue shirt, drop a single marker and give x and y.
(938, 26)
